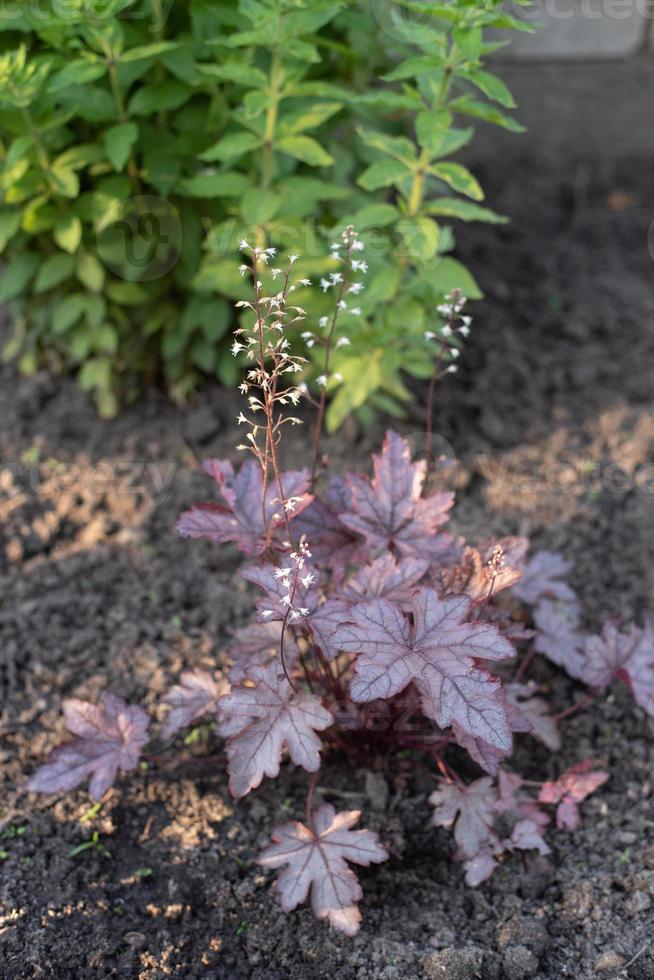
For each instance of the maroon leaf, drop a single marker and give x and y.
(110, 736)
(258, 643)
(263, 716)
(389, 512)
(629, 656)
(332, 543)
(472, 811)
(387, 578)
(316, 860)
(241, 518)
(536, 713)
(195, 696)
(569, 790)
(325, 621)
(438, 654)
(542, 576)
(558, 635)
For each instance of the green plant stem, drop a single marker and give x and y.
(418, 185)
(41, 152)
(121, 111)
(274, 92)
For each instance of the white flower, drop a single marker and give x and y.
(241, 418)
(356, 288)
(466, 320)
(447, 331)
(338, 376)
(304, 282)
(321, 381)
(304, 611)
(357, 245)
(444, 309)
(464, 331)
(356, 311)
(342, 342)
(323, 321)
(237, 348)
(359, 265)
(308, 580)
(452, 369)
(326, 284)
(266, 612)
(455, 352)
(243, 244)
(293, 258)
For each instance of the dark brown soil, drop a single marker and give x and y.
(552, 418)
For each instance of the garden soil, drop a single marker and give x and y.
(552, 422)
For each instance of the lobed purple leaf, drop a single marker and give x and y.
(316, 860)
(110, 736)
(263, 716)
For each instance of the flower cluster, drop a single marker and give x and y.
(456, 326)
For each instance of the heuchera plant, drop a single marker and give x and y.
(375, 629)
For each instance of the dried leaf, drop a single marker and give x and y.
(569, 790)
(110, 736)
(317, 859)
(263, 716)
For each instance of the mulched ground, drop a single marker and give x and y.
(552, 420)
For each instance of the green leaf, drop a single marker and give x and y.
(126, 293)
(450, 274)
(480, 110)
(237, 72)
(231, 146)
(68, 312)
(398, 147)
(432, 128)
(95, 373)
(76, 73)
(68, 233)
(306, 149)
(413, 67)
(361, 376)
(90, 272)
(454, 207)
(53, 271)
(383, 174)
(159, 97)
(297, 122)
(468, 41)
(371, 216)
(213, 185)
(420, 236)
(259, 207)
(459, 179)
(148, 51)
(78, 156)
(64, 181)
(9, 224)
(16, 275)
(492, 86)
(118, 142)
(90, 102)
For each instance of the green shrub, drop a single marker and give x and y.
(141, 141)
